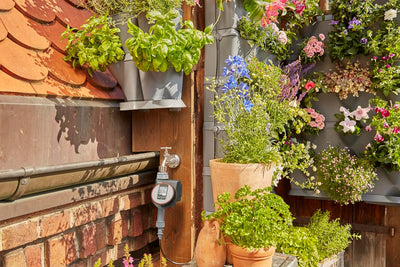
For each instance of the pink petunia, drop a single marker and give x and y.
(378, 138)
(396, 130)
(368, 128)
(360, 113)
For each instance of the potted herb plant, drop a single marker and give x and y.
(165, 52)
(252, 224)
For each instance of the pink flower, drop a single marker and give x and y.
(360, 113)
(309, 110)
(282, 38)
(321, 36)
(309, 85)
(312, 124)
(345, 111)
(396, 130)
(385, 113)
(396, 106)
(385, 124)
(314, 115)
(368, 128)
(378, 138)
(320, 125)
(348, 125)
(320, 118)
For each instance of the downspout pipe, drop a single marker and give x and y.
(15, 183)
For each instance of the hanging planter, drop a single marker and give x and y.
(125, 71)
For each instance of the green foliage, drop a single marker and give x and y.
(256, 219)
(332, 237)
(342, 176)
(320, 239)
(266, 37)
(96, 45)
(163, 6)
(109, 7)
(147, 261)
(164, 46)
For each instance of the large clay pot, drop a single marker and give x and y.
(208, 252)
(242, 257)
(230, 177)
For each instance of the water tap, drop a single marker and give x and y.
(170, 160)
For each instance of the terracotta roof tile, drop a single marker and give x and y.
(6, 5)
(53, 32)
(10, 84)
(22, 62)
(3, 31)
(41, 10)
(24, 30)
(71, 15)
(61, 70)
(103, 80)
(31, 51)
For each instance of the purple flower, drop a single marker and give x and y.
(387, 66)
(383, 58)
(363, 40)
(334, 22)
(374, 57)
(353, 22)
(247, 105)
(345, 32)
(392, 55)
(379, 71)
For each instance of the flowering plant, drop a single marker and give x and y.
(344, 177)
(257, 119)
(386, 74)
(352, 20)
(351, 122)
(384, 150)
(351, 79)
(312, 49)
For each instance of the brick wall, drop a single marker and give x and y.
(79, 234)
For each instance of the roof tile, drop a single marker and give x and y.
(32, 51)
(104, 80)
(70, 15)
(53, 32)
(22, 62)
(24, 30)
(3, 31)
(10, 84)
(41, 10)
(6, 5)
(61, 70)
(79, 3)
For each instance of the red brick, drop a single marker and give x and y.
(19, 234)
(87, 240)
(139, 242)
(114, 235)
(131, 201)
(61, 250)
(105, 257)
(137, 223)
(149, 215)
(109, 207)
(85, 214)
(33, 255)
(80, 263)
(55, 223)
(125, 217)
(121, 249)
(101, 236)
(14, 258)
(147, 195)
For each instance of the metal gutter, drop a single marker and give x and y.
(30, 180)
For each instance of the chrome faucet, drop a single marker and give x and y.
(170, 160)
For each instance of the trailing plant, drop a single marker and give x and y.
(332, 237)
(344, 177)
(384, 150)
(255, 219)
(164, 46)
(95, 45)
(109, 7)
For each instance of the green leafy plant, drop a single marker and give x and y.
(384, 150)
(344, 177)
(163, 6)
(256, 219)
(109, 7)
(164, 46)
(332, 237)
(95, 46)
(320, 239)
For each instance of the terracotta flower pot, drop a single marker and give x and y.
(243, 257)
(229, 177)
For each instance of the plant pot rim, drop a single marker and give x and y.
(219, 162)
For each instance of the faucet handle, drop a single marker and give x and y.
(166, 149)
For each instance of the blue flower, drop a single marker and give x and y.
(363, 40)
(247, 105)
(243, 90)
(229, 85)
(235, 60)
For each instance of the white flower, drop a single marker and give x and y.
(282, 38)
(360, 113)
(390, 14)
(348, 125)
(345, 111)
(274, 28)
